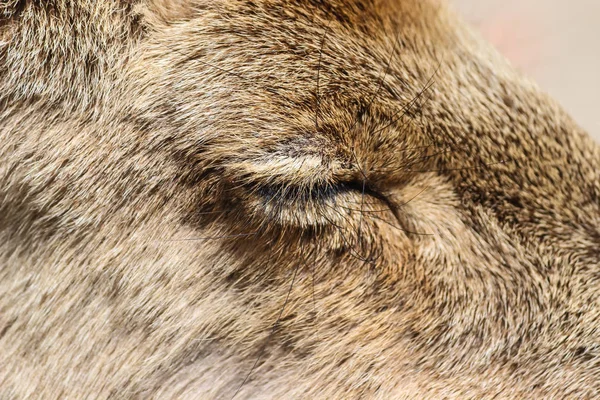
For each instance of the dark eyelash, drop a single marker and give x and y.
(315, 193)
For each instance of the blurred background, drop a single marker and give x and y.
(556, 42)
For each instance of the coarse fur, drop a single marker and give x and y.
(302, 199)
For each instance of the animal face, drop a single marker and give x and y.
(299, 199)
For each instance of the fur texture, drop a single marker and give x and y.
(286, 199)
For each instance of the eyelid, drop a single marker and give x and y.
(322, 192)
(273, 169)
(294, 178)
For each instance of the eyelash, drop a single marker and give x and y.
(322, 193)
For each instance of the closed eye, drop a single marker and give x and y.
(323, 193)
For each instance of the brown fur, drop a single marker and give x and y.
(170, 169)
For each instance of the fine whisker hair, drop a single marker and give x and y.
(317, 94)
(398, 115)
(271, 334)
(379, 86)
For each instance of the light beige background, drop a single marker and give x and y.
(556, 42)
